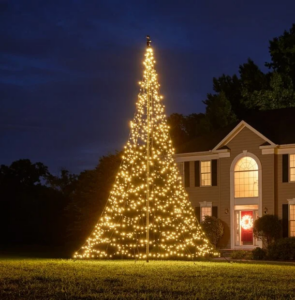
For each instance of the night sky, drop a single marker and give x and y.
(69, 69)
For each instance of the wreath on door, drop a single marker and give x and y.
(247, 222)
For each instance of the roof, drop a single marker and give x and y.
(277, 125)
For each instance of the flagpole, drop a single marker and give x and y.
(148, 41)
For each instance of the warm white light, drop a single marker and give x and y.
(246, 178)
(292, 167)
(247, 222)
(205, 173)
(121, 230)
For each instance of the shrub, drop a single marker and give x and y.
(213, 229)
(268, 228)
(258, 253)
(241, 254)
(283, 249)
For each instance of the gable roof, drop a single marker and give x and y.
(237, 130)
(274, 126)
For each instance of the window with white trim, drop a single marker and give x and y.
(246, 178)
(206, 173)
(205, 210)
(292, 167)
(292, 219)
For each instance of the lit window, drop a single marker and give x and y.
(205, 173)
(292, 167)
(246, 178)
(292, 220)
(206, 211)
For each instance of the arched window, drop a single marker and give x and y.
(246, 178)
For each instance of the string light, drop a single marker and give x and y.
(247, 222)
(173, 229)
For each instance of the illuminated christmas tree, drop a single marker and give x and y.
(148, 214)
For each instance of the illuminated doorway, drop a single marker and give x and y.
(244, 221)
(245, 202)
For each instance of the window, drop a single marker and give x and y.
(292, 167)
(292, 219)
(246, 178)
(205, 173)
(206, 211)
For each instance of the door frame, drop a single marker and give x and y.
(244, 201)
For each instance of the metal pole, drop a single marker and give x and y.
(148, 163)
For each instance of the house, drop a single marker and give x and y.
(242, 172)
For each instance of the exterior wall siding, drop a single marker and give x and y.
(202, 193)
(245, 140)
(284, 190)
(224, 184)
(274, 191)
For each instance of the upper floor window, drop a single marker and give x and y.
(292, 167)
(205, 173)
(246, 178)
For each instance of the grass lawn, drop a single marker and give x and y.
(68, 279)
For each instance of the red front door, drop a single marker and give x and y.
(247, 227)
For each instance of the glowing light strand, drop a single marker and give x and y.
(247, 222)
(122, 228)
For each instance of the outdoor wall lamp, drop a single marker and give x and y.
(226, 211)
(265, 210)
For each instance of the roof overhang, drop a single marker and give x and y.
(221, 149)
(204, 155)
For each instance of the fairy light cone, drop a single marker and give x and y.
(148, 214)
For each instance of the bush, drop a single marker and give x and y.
(283, 249)
(241, 254)
(268, 228)
(258, 253)
(213, 229)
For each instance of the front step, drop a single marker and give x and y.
(227, 252)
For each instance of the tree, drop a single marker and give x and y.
(282, 53)
(252, 89)
(148, 213)
(196, 125)
(279, 94)
(219, 111)
(268, 228)
(178, 131)
(236, 95)
(22, 173)
(230, 87)
(90, 197)
(213, 229)
(31, 209)
(185, 128)
(252, 78)
(66, 183)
